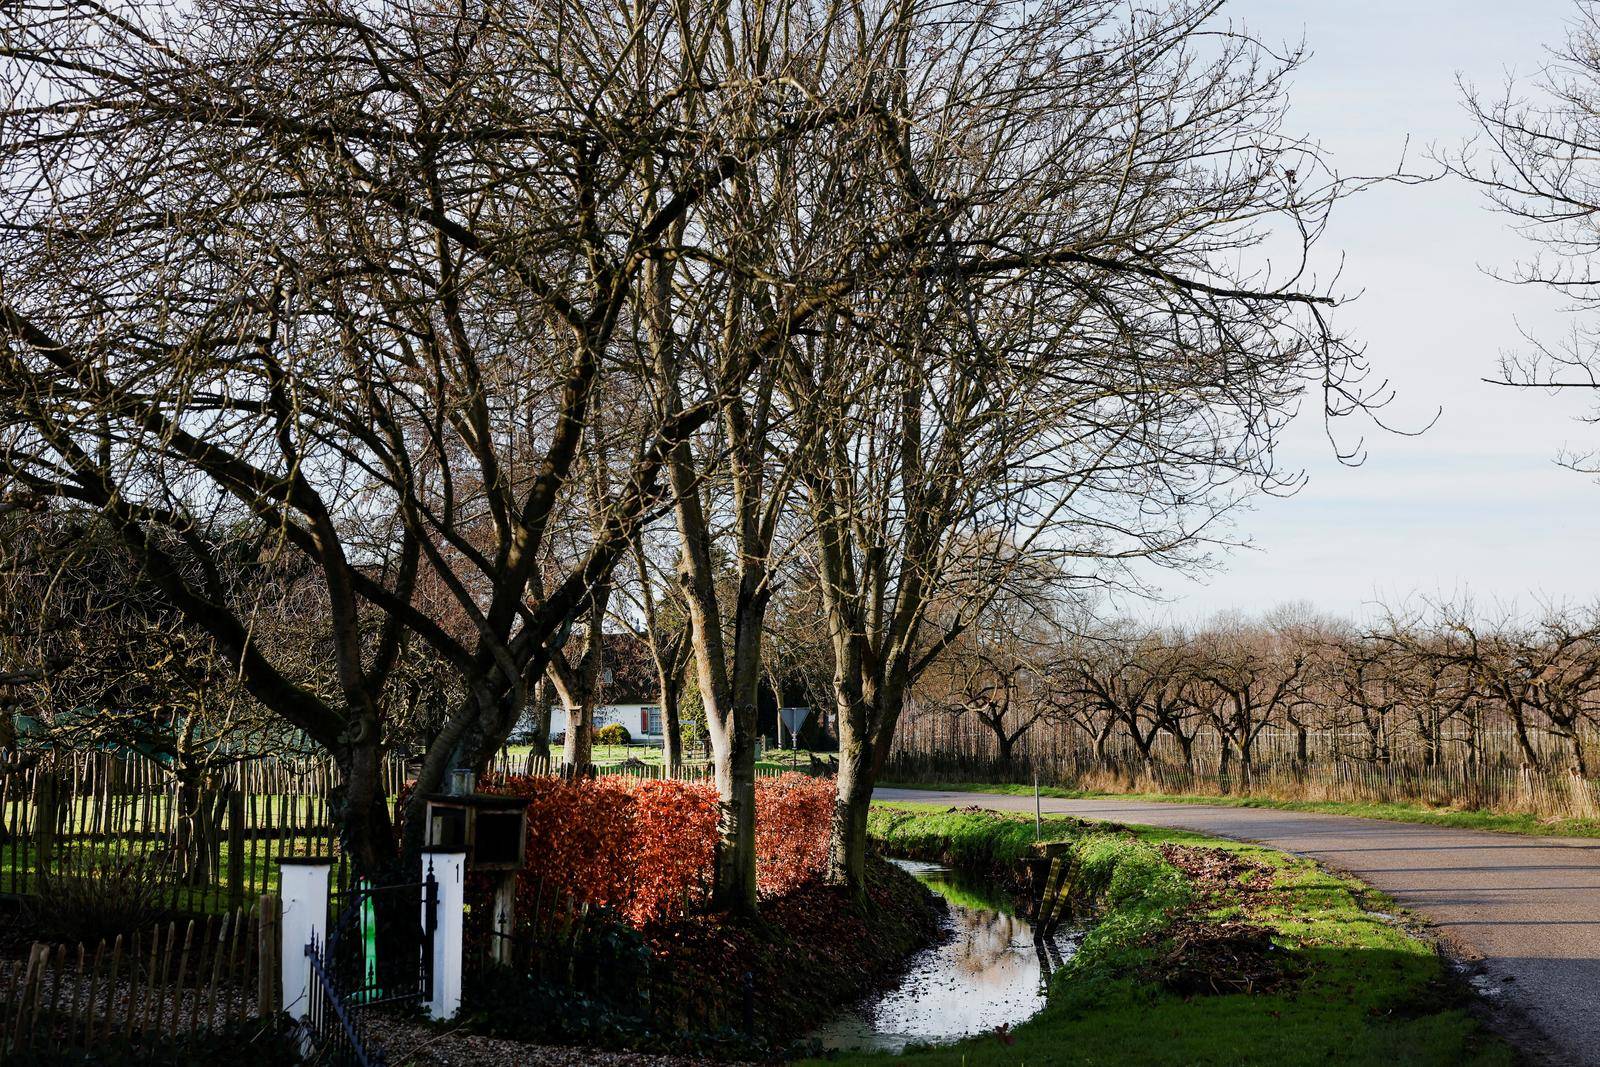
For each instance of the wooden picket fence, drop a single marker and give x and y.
(213, 846)
(174, 980)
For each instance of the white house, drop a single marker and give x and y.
(643, 721)
(627, 689)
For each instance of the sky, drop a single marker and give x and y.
(1477, 504)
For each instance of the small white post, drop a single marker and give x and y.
(450, 921)
(303, 886)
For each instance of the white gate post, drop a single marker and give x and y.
(448, 869)
(303, 887)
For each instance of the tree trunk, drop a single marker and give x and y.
(360, 809)
(671, 729)
(733, 753)
(1185, 746)
(847, 838)
(539, 740)
(1003, 745)
(194, 833)
(577, 752)
(1519, 721)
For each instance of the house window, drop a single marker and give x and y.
(652, 719)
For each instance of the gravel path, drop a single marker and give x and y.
(409, 1045)
(1526, 908)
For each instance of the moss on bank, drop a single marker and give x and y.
(1357, 987)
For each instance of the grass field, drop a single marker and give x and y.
(1362, 989)
(1460, 818)
(781, 758)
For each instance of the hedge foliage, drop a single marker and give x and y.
(644, 849)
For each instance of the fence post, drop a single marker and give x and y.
(235, 847)
(267, 956)
(303, 890)
(449, 927)
(44, 822)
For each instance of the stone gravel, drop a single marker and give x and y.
(410, 1045)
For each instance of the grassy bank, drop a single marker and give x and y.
(1209, 952)
(1463, 819)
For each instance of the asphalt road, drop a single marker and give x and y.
(1526, 908)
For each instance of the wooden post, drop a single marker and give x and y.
(44, 823)
(1038, 815)
(235, 848)
(267, 956)
(505, 918)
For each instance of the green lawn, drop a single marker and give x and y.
(259, 866)
(1460, 818)
(610, 754)
(1366, 991)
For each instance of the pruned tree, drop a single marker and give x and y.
(1250, 679)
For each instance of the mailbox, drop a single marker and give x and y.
(491, 830)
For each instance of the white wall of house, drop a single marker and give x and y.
(643, 721)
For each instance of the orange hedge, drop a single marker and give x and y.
(644, 848)
(793, 816)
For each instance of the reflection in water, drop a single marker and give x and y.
(990, 973)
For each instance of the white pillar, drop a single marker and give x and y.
(303, 888)
(449, 870)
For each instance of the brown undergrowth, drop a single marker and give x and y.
(1199, 954)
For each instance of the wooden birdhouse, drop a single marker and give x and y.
(492, 830)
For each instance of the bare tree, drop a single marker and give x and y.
(1535, 160)
(1081, 372)
(997, 672)
(1253, 678)
(350, 279)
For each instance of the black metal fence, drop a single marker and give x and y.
(379, 951)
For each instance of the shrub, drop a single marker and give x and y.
(101, 901)
(644, 849)
(638, 848)
(793, 816)
(613, 734)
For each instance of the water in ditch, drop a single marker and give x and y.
(989, 973)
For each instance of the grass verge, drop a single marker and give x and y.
(1459, 818)
(1347, 986)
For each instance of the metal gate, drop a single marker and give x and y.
(379, 951)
